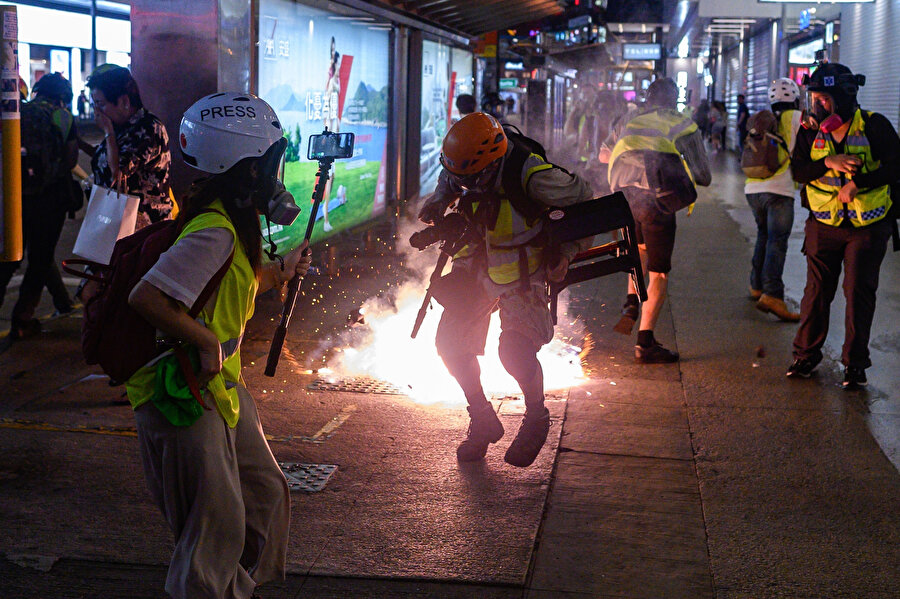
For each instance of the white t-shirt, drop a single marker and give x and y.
(782, 184)
(184, 270)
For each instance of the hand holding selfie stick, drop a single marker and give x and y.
(294, 284)
(325, 148)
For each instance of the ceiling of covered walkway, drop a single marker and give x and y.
(474, 17)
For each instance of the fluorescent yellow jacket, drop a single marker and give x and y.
(870, 205)
(226, 317)
(653, 132)
(509, 248)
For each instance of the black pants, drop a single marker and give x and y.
(42, 222)
(861, 251)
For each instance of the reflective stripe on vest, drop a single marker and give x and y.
(655, 131)
(227, 317)
(870, 205)
(512, 232)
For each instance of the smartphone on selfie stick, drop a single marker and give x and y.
(324, 148)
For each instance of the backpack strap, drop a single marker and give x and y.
(211, 286)
(512, 184)
(84, 274)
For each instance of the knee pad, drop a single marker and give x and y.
(518, 355)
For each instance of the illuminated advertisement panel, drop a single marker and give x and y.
(446, 73)
(318, 70)
(435, 111)
(461, 77)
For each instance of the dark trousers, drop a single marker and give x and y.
(42, 224)
(860, 251)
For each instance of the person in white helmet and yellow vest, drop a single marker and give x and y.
(501, 185)
(771, 199)
(657, 163)
(213, 474)
(846, 158)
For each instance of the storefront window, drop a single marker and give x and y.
(317, 70)
(446, 73)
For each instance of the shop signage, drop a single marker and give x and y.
(582, 21)
(509, 83)
(514, 66)
(641, 51)
(805, 53)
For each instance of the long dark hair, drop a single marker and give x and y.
(232, 187)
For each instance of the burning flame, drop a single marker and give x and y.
(382, 348)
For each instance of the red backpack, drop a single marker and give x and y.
(113, 334)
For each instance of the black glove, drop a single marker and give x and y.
(432, 211)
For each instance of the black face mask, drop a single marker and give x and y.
(269, 194)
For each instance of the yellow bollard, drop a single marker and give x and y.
(10, 139)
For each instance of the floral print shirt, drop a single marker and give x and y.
(144, 161)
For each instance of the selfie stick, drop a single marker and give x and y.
(294, 284)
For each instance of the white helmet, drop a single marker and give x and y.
(783, 90)
(220, 130)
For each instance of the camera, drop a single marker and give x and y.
(452, 228)
(330, 145)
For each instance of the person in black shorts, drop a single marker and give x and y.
(656, 163)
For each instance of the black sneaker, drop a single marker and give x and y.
(655, 354)
(801, 368)
(484, 428)
(854, 378)
(529, 440)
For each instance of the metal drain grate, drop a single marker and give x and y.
(307, 477)
(361, 384)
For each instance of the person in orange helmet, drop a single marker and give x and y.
(501, 183)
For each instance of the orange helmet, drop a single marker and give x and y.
(472, 144)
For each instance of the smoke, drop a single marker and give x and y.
(378, 342)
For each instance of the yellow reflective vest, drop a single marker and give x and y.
(226, 317)
(509, 247)
(655, 131)
(870, 205)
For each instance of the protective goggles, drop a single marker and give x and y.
(481, 181)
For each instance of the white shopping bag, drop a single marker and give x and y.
(110, 216)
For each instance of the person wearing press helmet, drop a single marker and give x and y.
(772, 201)
(500, 187)
(845, 158)
(213, 474)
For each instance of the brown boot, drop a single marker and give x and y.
(776, 306)
(755, 294)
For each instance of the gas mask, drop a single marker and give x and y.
(269, 195)
(480, 182)
(821, 118)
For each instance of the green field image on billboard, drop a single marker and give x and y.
(300, 179)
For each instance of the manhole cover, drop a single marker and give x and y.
(307, 477)
(361, 384)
